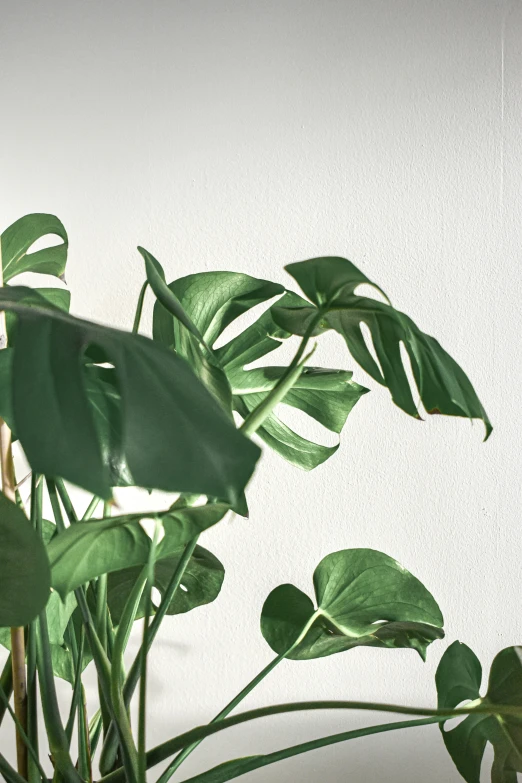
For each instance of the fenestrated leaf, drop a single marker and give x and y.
(18, 238)
(458, 679)
(24, 568)
(363, 597)
(327, 396)
(88, 549)
(330, 284)
(175, 437)
(201, 583)
(212, 301)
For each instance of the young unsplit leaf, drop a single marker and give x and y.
(25, 578)
(88, 549)
(174, 435)
(363, 597)
(201, 583)
(330, 285)
(213, 300)
(458, 679)
(17, 239)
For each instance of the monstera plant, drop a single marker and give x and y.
(98, 408)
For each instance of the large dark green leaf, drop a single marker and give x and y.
(18, 238)
(88, 549)
(201, 583)
(330, 284)
(174, 435)
(458, 679)
(25, 579)
(212, 300)
(363, 597)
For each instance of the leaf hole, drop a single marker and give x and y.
(182, 587)
(156, 596)
(243, 321)
(369, 292)
(42, 243)
(368, 341)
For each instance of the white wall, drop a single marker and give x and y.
(245, 135)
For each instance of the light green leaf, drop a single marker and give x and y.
(88, 549)
(363, 597)
(18, 238)
(24, 568)
(201, 583)
(330, 284)
(458, 679)
(175, 437)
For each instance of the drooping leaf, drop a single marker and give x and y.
(363, 597)
(88, 549)
(25, 579)
(330, 284)
(201, 583)
(458, 679)
(175, 437)
(17, 240)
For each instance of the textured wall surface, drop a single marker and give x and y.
(245, 135)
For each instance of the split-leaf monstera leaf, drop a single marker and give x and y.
(363, 597)
(459, 678)
(211, 301)
(173, 434)
(330, 284)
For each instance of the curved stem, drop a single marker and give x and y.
(166, 749)
(256, 418)
(139, 307)
(180, 758)
(237, 767)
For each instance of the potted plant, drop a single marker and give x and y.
(98, 408)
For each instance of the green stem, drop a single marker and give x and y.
(237, 767)
(108, 754)
(180, 758)
(6, 684)
(142, 705)
(58, 743)
(166, 749)
(10, 774)
(32, 688)
(77, 655)
(139, 307)
(32, 753)
(55, 504)
(91, 508)
(66, 500)
(256, 418)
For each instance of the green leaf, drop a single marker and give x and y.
(363, 597)
(328, 396)
(24, 568)
(458, 679)
(175, 437)
(330, 284)
(213, 300)
(18, 238)
(201, 583)
(88, 549)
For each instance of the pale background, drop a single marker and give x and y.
(243, 136)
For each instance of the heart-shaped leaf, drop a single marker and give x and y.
(88, 549)
(330, 284)
(17, 240)
(201, 583)
(458, 679)
(363, 597)
(174, 435)
(25, 579)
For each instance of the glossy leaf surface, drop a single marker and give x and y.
(25, 579)
(88, 549)
(364, 597)
(174, 435)
(458, 679)
(18, 238)
(330, 284)
(201, 583)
